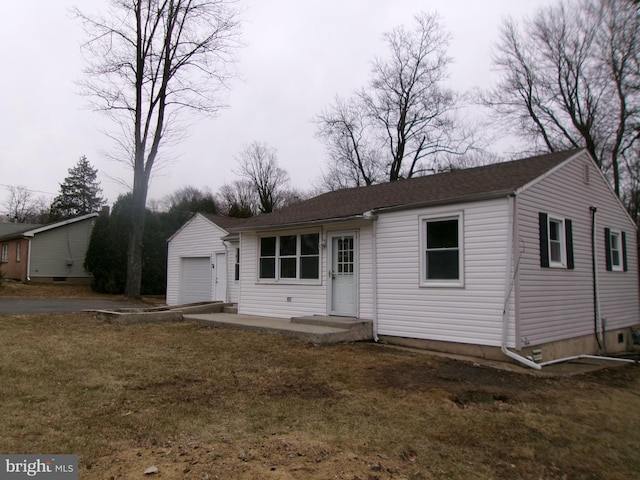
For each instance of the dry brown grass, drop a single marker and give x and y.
(12, 289)
(205, 403)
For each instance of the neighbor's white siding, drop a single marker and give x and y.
(288, 299)
(198, 238)
(470, 314)
(557, 303)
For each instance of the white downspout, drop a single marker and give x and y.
(508, 288)
(596, 288)
(29, 260)
(374, 275)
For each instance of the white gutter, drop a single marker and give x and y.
(508, 288)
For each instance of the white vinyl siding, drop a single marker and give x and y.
(472, 314)
(557, 303)
(288, 298)
(199, 237)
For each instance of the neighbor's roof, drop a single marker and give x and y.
(11, 230)
(31, 229)
(452, 187)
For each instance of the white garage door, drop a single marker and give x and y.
(196, 280)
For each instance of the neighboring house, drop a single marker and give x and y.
(202, 261)
(472, 261)
(14, 249)
(47, 253)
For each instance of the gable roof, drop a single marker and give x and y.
(11, 230)
(31, 229)
(225, 223)
(51, 226)
(489, 181)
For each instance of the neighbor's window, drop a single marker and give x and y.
(556, 241)
(18, 250)
(290, 257)
(237, 265)
(442, 247)
(616, 250)
(4, 255)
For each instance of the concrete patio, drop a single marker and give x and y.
(318, 330)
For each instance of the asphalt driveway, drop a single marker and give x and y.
(10, 306)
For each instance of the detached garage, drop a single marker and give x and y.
(202, 261)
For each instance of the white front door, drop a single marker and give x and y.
(342, 275)
(220, 278)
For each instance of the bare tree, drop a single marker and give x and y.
(569, 78)
(22, 206)
(238, 199)
(354, 158)
(148, 61)
(407, 112)
(259, 165)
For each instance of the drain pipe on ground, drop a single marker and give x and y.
(508, 288)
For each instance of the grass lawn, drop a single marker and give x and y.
(212, 403)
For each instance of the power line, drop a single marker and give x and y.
(27, 189)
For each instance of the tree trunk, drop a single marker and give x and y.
(133, 285)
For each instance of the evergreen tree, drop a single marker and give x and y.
(79, 193)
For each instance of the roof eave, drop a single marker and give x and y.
(304, 224)
(452, 201)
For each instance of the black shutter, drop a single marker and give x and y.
(544, 239)
(624, 252)
(607, 247)
(568, 236)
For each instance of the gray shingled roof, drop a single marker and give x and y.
(223, 221)
(11, 230)
(451, 187)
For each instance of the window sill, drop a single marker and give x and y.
(288, 281)
(442, 284)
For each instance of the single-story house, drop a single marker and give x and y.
(202, 261)
(536, 256)
(47, 253)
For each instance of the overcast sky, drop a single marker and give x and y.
(299, 54)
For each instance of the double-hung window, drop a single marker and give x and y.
(556, 241)
(290, 257)
(616, 250)
(4, 253)
(442, 252)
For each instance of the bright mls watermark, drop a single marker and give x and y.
(46, 467)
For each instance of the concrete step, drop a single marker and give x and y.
(336, 322)
(230, 308)
(316, 334)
